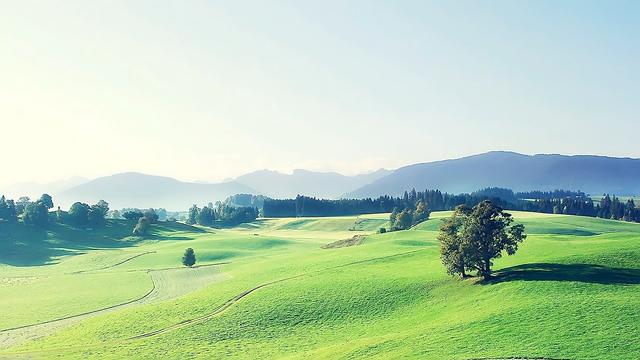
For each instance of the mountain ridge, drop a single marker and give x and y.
(590, 173)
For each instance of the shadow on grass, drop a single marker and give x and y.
(587, 273)
(22, 245)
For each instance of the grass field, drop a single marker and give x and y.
(271, 291)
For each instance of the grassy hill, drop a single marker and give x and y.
(270, 291)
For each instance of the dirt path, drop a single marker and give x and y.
(236, 298)
(166, 284)
(116, 264)
(218, 310)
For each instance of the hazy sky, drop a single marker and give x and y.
(205, 90)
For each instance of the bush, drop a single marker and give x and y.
(382, 230)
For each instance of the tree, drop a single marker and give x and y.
(21, 204)
(454, 251)
(132, 215)
(393, 216)
(79, 213)
(421, 213)
(151, 215)
(115, 214)
(47, 201)
(473, 238)
(142, 227)
(193, 215)
(36, 214)
(205, 216)
(11, 213)
(162, 214)
(189, 257)
(4, 208)
(403, 220)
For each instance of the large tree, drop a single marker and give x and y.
(473, 238)
(404, 220)
(36, 214)
(193, 215)
(132, 215)
(79, 213)
(47, 200)
(454, 251)
(205, 216)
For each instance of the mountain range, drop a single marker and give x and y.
(326, 185)
(592, 174)
(141, 190)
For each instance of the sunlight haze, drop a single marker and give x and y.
(210, 90)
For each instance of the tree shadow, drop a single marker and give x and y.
(22, 245)
(587, 273)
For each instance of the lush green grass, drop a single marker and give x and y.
(572, 291)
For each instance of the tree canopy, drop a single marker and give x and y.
(473, 237)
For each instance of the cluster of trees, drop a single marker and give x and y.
(609, 207)
(552, 202)
(409, 217)
(222, 214)
(82, 214)
(473, 237)
(135, 214)
(245, 200)
(35, 213)
(555, 194)
(310, 206)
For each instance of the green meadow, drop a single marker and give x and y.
(269, 289)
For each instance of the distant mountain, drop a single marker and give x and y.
(329, 185)
(34, 190)
(592, 174)
(143, 191)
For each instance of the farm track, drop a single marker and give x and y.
(116, 264)
(220, 309)
(163, 288)
(238, 297)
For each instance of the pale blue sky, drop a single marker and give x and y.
(205, 90)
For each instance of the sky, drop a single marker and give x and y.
(209, 90)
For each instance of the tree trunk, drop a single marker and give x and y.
(487, 269)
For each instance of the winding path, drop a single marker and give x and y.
(166, 284)
(216, 311)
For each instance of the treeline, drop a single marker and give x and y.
(221, 214)
(552, 202)
(80, 215)
(36, 213)
(555, 194)
(434, 200)
(609, 207)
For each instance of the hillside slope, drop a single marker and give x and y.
(591, 174)
(571, 292)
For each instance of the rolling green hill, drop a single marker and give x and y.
(268, 290)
